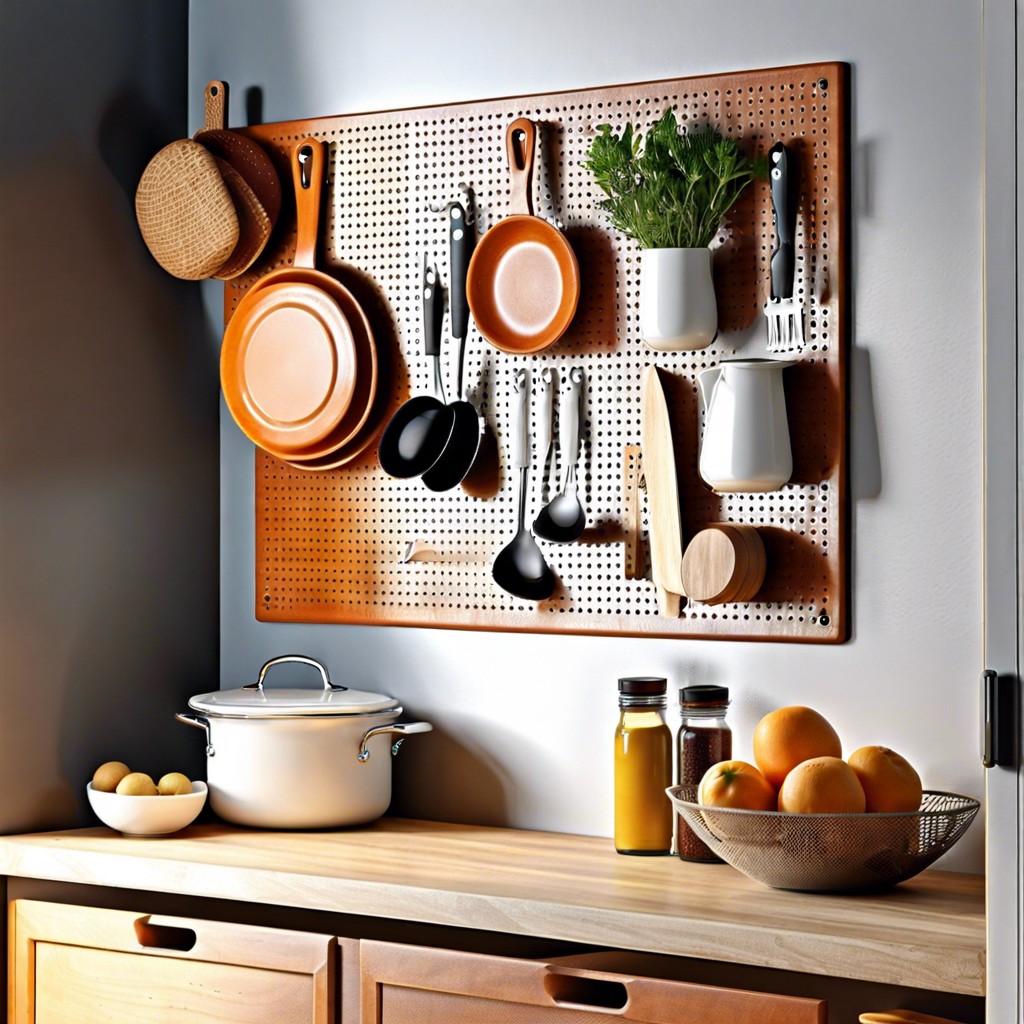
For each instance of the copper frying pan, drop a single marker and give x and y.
(524, 281)
(294, 358)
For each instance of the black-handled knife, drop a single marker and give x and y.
(461, 238)
(783, 179)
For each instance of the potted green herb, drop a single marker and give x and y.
(670, 192)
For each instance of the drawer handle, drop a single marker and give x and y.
(582, 991)
(163, 936)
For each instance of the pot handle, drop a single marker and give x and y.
(198, 722)
(301, 659)
(403, 729)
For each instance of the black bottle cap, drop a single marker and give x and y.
(643, 686)
(704, 693)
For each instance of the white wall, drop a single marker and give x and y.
(524, 722)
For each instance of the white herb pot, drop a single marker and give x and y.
(677, 299)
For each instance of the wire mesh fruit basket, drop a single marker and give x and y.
(829, 852)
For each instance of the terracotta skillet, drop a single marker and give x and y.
(524, 281)
(247, 157)
(298, 364)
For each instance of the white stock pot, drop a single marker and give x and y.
(295, 758)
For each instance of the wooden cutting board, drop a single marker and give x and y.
(664, 517)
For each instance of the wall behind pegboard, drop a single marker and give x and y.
(332, 544)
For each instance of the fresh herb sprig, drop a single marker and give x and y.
(673, 188)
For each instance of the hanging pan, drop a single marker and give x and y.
(298, 365)
(524, 281)
(420, 428)
(247, 157)
(250, 177)
(460, 450)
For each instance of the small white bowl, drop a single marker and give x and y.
(147, 815)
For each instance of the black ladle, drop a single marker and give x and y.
(460, 450)
(419, 430)
(563, 519)
(520, 568)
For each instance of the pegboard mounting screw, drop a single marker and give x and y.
(822, 84)
(823, 619)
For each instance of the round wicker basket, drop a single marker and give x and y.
(829, 852)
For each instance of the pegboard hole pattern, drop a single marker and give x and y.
(330, 544)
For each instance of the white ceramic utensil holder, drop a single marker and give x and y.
(678, 310)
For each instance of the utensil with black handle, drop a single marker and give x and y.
(460, 450)
(783, 311)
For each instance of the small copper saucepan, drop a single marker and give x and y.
(524, 281)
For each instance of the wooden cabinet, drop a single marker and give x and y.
(298, 907)
(71, 964)
(417, 985)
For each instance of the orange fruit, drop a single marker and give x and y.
(736, 784)
(822, 785)
(789, 735)
(889, 781)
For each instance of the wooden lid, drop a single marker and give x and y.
(724, 562)
(714, 565)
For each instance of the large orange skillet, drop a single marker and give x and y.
(523, 282)
(298, 363)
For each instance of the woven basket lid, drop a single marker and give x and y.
(253, 224)
(185, 211)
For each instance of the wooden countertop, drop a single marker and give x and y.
(928, 932)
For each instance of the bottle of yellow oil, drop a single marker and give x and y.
(643, 768)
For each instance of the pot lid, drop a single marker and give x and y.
(257, 701)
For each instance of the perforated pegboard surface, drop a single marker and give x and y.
(330, 545)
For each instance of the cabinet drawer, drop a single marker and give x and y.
(414, 985)
(71, 964)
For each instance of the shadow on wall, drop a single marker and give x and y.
(430, 768)
(108, 416)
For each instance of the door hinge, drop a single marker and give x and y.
(998, 720)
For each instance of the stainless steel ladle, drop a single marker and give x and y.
(563, 519)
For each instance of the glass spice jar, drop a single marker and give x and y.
(704, 739)
(643, 768)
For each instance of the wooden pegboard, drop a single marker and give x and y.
(330, 544)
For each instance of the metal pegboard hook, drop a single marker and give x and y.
(466, 202)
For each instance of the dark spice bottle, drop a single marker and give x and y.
(704, 739)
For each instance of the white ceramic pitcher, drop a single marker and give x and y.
(746, 433)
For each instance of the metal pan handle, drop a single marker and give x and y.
(198, 722)
(401, 729)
